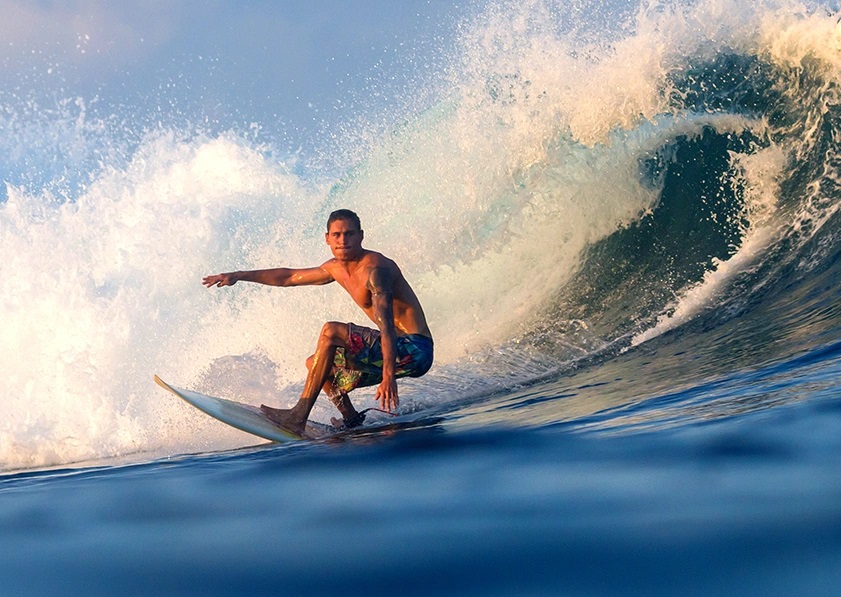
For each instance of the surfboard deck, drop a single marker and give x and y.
(245, 417)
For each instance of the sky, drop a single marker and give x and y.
(283, 63)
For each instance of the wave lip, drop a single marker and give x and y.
(568, 190)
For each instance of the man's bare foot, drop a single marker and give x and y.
(285, 418)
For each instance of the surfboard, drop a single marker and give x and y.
(244, 417)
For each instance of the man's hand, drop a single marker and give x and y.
(387, 394)
(220, 280)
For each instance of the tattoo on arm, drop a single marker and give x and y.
(381, 284)
(380, 281)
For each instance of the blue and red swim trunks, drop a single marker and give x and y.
(361, 363)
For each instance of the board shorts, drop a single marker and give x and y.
(360, 364)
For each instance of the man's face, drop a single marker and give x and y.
(345, 240)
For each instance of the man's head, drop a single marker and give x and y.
(344, 235)
(344, 214)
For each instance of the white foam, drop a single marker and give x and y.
(486, 197)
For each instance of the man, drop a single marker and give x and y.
(348, 356)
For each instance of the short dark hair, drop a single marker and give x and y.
(344, 214)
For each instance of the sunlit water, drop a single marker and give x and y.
(625, 240)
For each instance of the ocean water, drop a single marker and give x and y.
(623, 223)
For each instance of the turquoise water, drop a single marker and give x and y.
(626, 243)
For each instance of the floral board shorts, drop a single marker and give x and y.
(361, 363)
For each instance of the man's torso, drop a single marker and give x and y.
(408, 314)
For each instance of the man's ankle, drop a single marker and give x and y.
(353, 420)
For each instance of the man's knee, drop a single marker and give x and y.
(333, 329)
(333, 333)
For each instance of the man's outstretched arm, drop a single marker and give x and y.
(280, 276)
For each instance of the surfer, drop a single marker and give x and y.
(348, 356)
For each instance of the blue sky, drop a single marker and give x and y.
(283, 62)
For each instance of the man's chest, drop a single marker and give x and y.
(356, 286)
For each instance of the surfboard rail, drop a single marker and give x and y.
(244, 417)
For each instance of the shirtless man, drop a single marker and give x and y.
(348, 356)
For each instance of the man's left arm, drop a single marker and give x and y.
(381, 285)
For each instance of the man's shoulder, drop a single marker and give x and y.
(329, 266)
(374, 260)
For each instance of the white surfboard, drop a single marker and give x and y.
(244, 417)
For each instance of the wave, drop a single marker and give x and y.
(558, 191)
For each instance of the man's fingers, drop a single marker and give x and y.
(387, 398)
(389, 402)
(382, 399)
(218, 280)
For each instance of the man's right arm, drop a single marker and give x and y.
(280, 276)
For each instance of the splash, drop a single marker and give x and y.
(491, 191)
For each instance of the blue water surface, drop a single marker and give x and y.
(663, 419)
(742, 505)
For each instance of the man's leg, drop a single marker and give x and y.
(333, 335)
(341, 401)
(350, 416)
